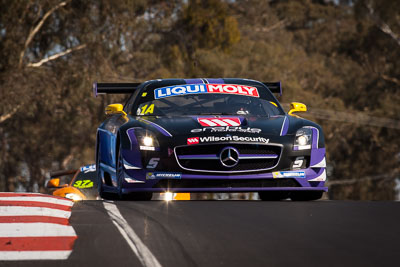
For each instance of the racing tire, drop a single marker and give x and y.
(306, 195)
(119, 170)
(273, 195)
(100, 189)
(102, 194)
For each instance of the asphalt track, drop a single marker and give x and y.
(237, 233)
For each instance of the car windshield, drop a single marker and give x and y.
(163, 102)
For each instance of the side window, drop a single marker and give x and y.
(129, 103)
(271, 107)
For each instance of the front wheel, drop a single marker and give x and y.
(120, 172)
(306, 195)
(100, 188)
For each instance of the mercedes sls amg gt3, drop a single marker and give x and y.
(207, 135)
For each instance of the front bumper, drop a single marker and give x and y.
(168, 176)
(312, 179)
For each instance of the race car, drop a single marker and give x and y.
(207, 135)
(82, 186)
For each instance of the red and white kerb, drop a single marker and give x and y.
(35, 227)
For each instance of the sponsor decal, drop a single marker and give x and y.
(163, 175)
(204, 89)
(235, 138)
(153, 162)
(289, 174)
(193, 141)
(146, 109)
(226, 129)
(219, 121)
(298, 163)
(88, 168)
(83, 184)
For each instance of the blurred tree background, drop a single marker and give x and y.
(341, 58)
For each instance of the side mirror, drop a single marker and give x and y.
(115, 109)
(297, 107)
(53, 183)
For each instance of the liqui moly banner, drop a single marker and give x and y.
(233, 89)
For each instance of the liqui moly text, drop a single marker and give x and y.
(206, 88)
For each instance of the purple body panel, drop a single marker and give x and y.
(95, 89)
(285, 126)
(132, 158)
(317, 155)
(215, 81)
(242, 189)
(267, 156)
(203, 156)
(314, 138)
(132, 138)
(194, 81)
(310, 173)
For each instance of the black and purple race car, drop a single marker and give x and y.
(207, 135)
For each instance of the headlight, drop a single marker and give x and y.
(73, 197)
(303, 139)
(146, 140)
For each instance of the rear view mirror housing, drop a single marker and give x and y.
(115, 109)
(55, 183)
(297, 107)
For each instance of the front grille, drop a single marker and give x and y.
(206, 158)
(225, 183)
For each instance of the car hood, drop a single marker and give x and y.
(187, 125)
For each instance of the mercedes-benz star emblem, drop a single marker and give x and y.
(229, 157)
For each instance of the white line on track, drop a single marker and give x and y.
(34, 255)
(33, 211)
(39, 199)
(138, 247)
(35, 229)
